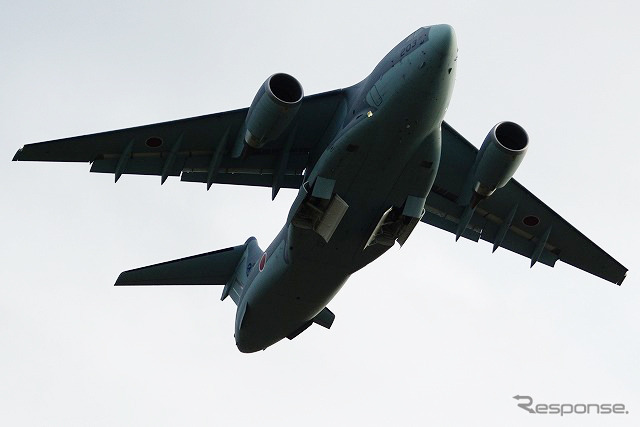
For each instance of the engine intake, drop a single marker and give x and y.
(272, 109)
(500, 155)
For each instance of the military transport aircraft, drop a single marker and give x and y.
(369, 162)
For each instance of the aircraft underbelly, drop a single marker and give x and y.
(389, 164)
(305, 272)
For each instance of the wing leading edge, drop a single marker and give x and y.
(512, 218)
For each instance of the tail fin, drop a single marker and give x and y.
(211, 268)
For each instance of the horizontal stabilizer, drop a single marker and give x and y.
(211, 268)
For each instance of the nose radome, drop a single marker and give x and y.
(444, 39)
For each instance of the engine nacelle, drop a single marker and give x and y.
(500, 155)
(272, 109)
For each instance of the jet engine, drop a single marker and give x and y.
(500, 155)
(272, 109)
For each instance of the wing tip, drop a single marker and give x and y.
(119, 281)
(16, 157)
(624, 276)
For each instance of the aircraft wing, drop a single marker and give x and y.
(197, 148)
(512, 218)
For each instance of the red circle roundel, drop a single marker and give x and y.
(263, 261)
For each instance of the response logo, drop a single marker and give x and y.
(562, 409)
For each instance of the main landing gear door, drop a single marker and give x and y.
(322, 210)
(396, 224)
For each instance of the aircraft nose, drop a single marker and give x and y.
(443, 38)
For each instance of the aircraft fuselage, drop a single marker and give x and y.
(384, 155)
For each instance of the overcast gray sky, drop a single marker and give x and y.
(437, 332)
